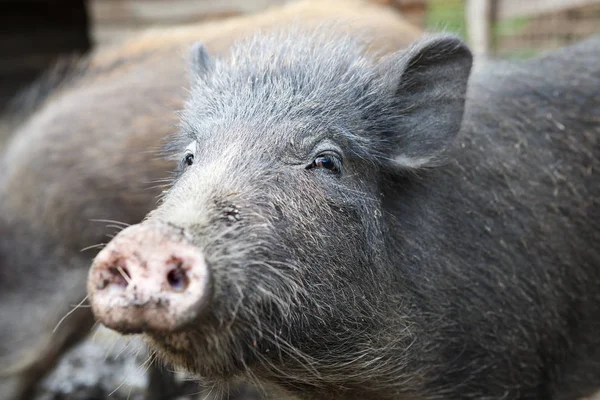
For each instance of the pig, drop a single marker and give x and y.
(346, 227)
(68, 170)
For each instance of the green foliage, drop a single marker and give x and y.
(447, 16)
(511, 26)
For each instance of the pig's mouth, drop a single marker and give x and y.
(204, 352)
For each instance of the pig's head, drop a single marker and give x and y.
(269, 252)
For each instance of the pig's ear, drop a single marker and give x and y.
(202, 64)
(428, 85)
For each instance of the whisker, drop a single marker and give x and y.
(124, 379)
(99, 245)
(117, 388)
(125, 276)
(112, 346)
(111, 221)
(161, 180)
(162, 186)
(120, 228)
(151, 360)
(123, 350)
(194, 394)
(69, 313)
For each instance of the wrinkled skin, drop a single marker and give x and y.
(360, 246)
(91, 151)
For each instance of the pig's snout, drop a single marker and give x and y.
(148, 278)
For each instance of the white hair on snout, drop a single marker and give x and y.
(186, 203)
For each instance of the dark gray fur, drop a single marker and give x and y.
(437, 265)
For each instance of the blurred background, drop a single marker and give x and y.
(37, 32)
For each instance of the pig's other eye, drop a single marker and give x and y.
(188, 159)
(327, 161)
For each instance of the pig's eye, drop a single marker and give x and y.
(188, 159)
(326, 161)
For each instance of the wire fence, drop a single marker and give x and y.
(519, 36)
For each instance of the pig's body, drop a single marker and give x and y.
(332, 232)
(506, 234)
(91, 151)
(498, 245)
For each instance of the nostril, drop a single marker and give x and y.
(177, 278)
(118, 277)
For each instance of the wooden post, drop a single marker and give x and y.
(479, 26)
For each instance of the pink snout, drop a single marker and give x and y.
(148, 278)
